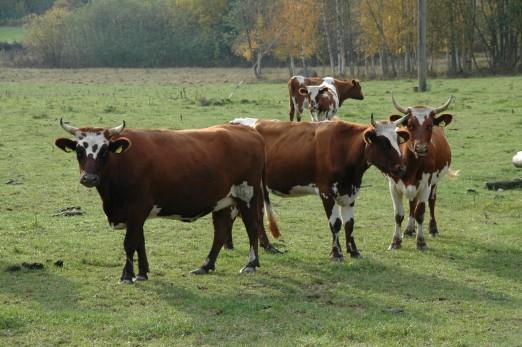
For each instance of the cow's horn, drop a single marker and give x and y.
(397, 106)
(117, 130)
(443, 107)
(400, 120)
(373, 121)
(70, 129)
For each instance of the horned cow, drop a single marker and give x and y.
(427, 157)
(183, 175)
(330, 161)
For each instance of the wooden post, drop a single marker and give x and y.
(422, 65)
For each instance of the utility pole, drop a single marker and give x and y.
(422, 66)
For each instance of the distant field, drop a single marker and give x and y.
(11, 34)
(465, 290)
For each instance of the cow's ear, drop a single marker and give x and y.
(322, 90)
(370, 136)
(443, 120)
(355, 83)
(303, 91)
(66, 145)
(120, 145)
(404, 135)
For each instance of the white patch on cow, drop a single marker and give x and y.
(234, 212)
(310, 189)
(155, 211)
(252, 255)
(118, 226)
(397, 208)
(335, 215)
(329, 80)
(243, 192)
(388, 130)
(224, 203)
(299, 79)
(91, 142)
(249, 122)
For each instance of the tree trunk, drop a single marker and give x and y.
(340, 37)
(422, 66)
(291, 66)
(328, 40)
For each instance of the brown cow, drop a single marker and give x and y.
(427, 157)
(328, 159)
(181, 175)
(323, 101)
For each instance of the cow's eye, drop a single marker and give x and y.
(80, 153)
(103, 152)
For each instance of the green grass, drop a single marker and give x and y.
(465, 290)
(11, 34)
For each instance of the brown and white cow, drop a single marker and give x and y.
(427, 157)
(323, 96)
(328, 159)
(181, 175)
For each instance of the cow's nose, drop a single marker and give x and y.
(89, 180)
(421, 148)
(399, 170)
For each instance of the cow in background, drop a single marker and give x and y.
(427, 157)
(183, 175)
(330, 161)
(301, 95)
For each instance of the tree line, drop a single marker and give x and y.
(367, 38)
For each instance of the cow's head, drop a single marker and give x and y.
(93, 147)
(356, 91)
(320, 98)
(382, 146)
(420, 121)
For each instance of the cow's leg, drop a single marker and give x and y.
(143, 264)
(347, 213)
(221, 220)
(399, 216)
(227, 227)
(333, 212)
(130, 244)
(433, 223)
(419, 217)
(410, 228)
(292, 108)
(253, 219)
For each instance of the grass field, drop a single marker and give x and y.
(11, 34)
(465, 290)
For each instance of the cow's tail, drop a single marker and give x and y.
(272, 223)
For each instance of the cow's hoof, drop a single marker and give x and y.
(337, 259)
(126, 281)
(247, 269)
(273, 250)
(409, 232)
(422, 246)
(394, 245)
(199, 271)
(434, 232)
(142, 278)
(356, 255)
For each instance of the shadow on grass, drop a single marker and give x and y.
(52, 292)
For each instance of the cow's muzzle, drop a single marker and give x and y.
(89, 180)
(421, 150)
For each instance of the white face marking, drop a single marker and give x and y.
(388, 130)
(249, 122)
(421, 113)
(93, 140)
(118, 226)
